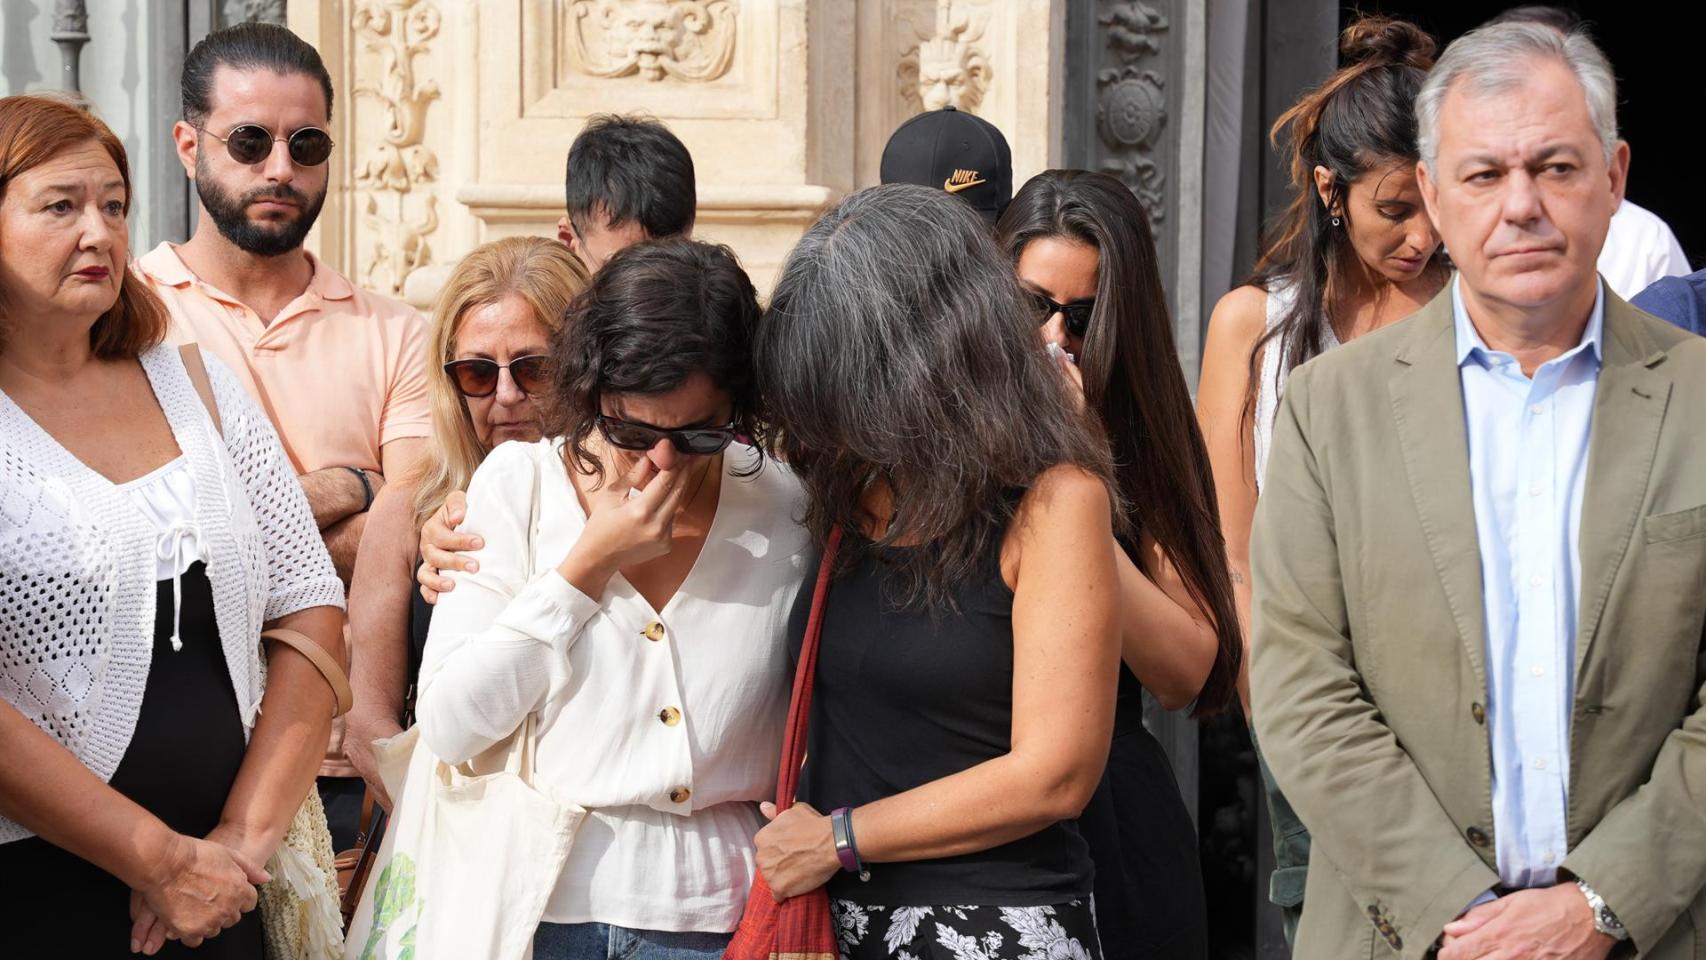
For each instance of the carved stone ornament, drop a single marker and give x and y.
(1132, 28)
(1131, 108)
(691, 40)
(400, 210)
(947, 67)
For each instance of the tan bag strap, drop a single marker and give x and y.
(321, 660)
(197, 370)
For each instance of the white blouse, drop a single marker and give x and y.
(80, 557)
(167, 497)
(666, 725)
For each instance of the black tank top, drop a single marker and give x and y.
(907, 696)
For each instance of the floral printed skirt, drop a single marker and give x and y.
(1065, 931)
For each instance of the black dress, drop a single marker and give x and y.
(905, 696)
(1149, 892)
(181, 762)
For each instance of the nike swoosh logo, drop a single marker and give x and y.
(952, 187)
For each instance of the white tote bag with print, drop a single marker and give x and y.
(468, 859)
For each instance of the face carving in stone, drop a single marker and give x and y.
(645, 32)
(946, 68)
(945, 77)
(655, 39)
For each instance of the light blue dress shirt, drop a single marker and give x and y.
(1528, 458)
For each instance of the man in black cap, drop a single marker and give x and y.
(958, 152)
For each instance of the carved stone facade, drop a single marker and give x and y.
(395, 176)
(653, 39)
(460, 113)
(1133, 105)
(947, 66)
(1124, 60)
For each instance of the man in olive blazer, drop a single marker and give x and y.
(1375, 654)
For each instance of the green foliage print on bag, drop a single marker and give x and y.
(394, 897)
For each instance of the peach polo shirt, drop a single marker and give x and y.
(341, 371)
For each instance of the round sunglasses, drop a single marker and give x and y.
(692, 441)
(250, 143)
(1077, 313)
(478, 377)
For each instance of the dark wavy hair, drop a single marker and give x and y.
(1362, 117)
(657, 313)
(898, 354)
(1133, 379)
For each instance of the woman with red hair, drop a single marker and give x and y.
(150, 527)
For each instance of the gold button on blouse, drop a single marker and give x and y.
(654, 631)
(679, 795)
(670, 716)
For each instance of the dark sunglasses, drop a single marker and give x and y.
(1077, 313)
(478, 377)
(692, 441)
(250, 143)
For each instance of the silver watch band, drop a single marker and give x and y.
(1604, 920)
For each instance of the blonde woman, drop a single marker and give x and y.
(489, 339)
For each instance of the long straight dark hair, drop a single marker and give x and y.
(1133, 379)
(1360, 118)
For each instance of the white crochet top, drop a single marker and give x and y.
(78, 564)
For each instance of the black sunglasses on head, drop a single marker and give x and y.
(478, 377)
(250, 143)
(1077, 313)
(691, 441)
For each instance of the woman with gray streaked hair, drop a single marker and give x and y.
(965, 684)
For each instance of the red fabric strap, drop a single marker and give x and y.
(800, 705)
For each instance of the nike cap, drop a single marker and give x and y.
(958, 152)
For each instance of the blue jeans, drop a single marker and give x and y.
(601, 941)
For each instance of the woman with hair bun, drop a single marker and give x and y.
(1353, 252)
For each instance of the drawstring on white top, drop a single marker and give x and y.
(181, 545)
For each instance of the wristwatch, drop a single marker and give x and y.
(1604, 921)
(366, 488)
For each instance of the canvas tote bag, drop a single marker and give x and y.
(468, 860)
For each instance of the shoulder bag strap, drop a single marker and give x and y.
(193, 365)
(805, 674)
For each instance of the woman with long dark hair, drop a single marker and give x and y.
(1353, 252)
(1082, 247)
(966, 666)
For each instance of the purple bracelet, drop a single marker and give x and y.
(841, 825)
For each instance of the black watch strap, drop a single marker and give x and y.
(366, 488)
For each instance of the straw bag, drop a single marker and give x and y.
(299, 905)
